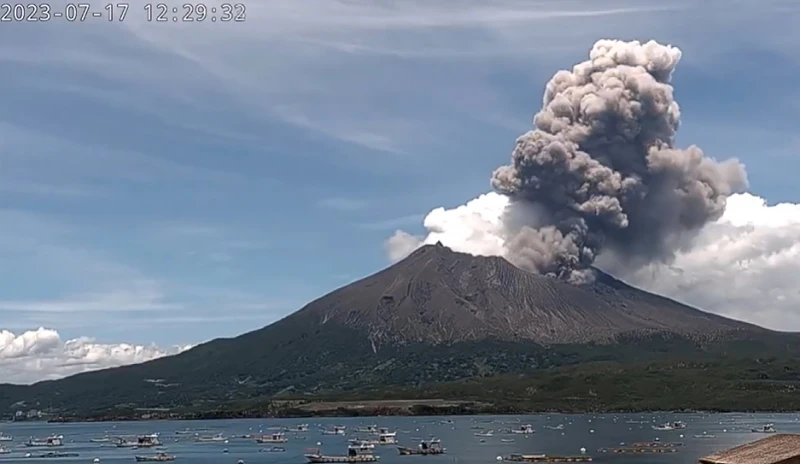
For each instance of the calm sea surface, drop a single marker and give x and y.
(457, 435)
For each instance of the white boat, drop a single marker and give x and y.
(160, 457)
(273, 438)
(367, 429)
(4, 450)
(679, 425)
(557, 427)
(337, 430)
(425, 448)
(300, 428)
(54, 440)
(370, 444)
(100, 440)
(664, 427)
(143, 441)
(768, 428)
(490, 433)
(211, 439)
(4, 437)
(524, 430)
(355, 454)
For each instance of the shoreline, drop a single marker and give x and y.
(364, 409)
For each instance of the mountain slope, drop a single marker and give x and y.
(440, 296)
(436, 316)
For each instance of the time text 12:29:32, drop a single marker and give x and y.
(190, 12)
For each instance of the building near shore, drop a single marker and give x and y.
(776, 449)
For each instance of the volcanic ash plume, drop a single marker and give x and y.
(599, 173)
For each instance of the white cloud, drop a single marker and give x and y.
(40, 354)
(746, 265)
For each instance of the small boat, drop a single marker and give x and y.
(557, 427)
(767, 428)
(160, 457)
(142, 441)
(425, 448)
(490, 433)
(53, 454)
(507, 440)
(664, 427)
(100, 440)
(54, 440)
(212, 439)
(4, 437)
(337, 430)
(367, 429)
(4, 450)
(274, 438)
(524, 430)
(274, 449)
(299, 428)
(355, 454)
(362, 443)
(679, 425)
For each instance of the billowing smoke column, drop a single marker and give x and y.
(600, 171)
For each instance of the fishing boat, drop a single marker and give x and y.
(4, 437)
(432, 446)
(524, 430)
(142, 441)
(160, 457)
(679, 425)
(767, 428)
(355, 454)
(273, 438)
(299, 428)
(54, 440)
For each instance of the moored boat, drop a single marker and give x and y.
(4, 437)
(272, 438)
(425, 447)
(664, 427)
(355, 454)
(524, 430)
(53, 440)
(337, 430)
(160, 457)
(4, 450)
(274, 449)
(211, 439)
(142, 441)
(767, 428)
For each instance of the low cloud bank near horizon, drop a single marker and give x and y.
(745, 265)
(41, 354)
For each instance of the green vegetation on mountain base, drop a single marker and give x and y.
(738, 384)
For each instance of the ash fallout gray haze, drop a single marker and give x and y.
(600, 171)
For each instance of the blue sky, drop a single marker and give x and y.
(172, 183)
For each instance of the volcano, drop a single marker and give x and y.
(436, 316)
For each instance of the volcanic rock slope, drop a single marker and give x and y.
(437, 295)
